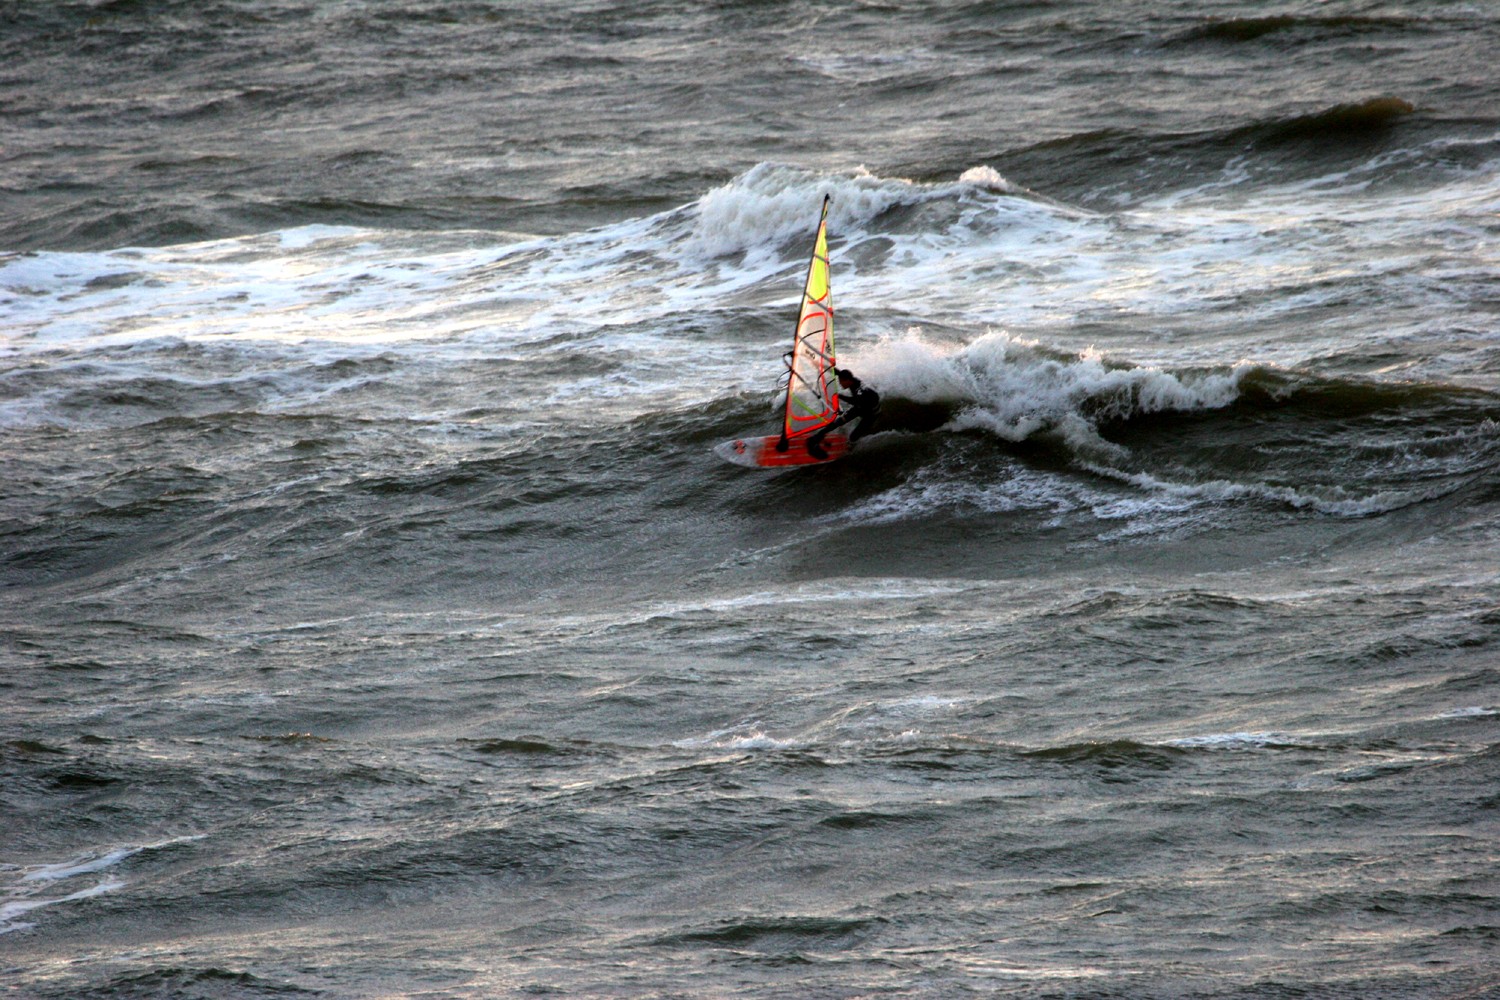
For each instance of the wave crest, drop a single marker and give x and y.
(773, 204)
(1015, 388)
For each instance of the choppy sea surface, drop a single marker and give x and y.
(377, 621)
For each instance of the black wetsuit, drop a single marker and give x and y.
(863, 405)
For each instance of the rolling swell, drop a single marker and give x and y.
(1285, 147)
(1111, 756)
(209, 982)
(780, 933)
(1326, 440)
(1304, 28)
(1338, 444)
(1358, 122)
(973, 426)
(1322, 397)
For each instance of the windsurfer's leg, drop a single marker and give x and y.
(815, 441)
(866, 424)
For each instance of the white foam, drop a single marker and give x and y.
(978, 254)
(305, 236)
(1179, 496)
(1014, 388)
(917, 706)
(859, 723)
(81, 866)
(1470, 712)
(323, 284)
(736, 739)
(1158, 508)
(834, 590)
(773, 204)
(868, 67)
(20, 898)
(328, 291)
(927, 491)
(987, 177)
(1237, 741)
(732, 608)
(1183, 283)
(12, 908)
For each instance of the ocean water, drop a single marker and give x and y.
(378, 621)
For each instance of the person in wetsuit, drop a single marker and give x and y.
(863, 404)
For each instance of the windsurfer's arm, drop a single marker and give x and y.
(858, 402)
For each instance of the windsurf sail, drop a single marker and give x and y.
(812, 400)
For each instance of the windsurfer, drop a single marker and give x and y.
(863, 405)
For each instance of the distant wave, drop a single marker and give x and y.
(812, 931)
(1355, 120)
(1109, 754)
(1096, 163)
(768, 205)
(1249, 29)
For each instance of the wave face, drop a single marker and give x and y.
(379, 620)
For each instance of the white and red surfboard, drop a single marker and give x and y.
(762, 453)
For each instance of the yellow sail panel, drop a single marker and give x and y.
(817, 276)
(812, 392)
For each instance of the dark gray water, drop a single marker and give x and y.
(378, 620)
